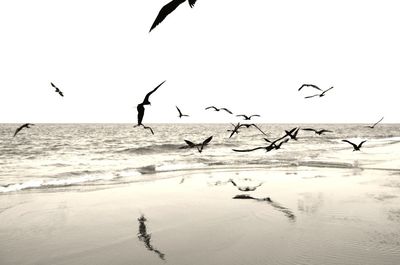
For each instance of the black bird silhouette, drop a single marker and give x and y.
(373, 126)
(320, 95)
(140, 108)
(355, 147)
(26, 125)
(218, 109)
(309, 85)
(247, 118)
(245, 188)
(180, 113)
(146, 237)
(167, 9)
(292, 133)
(199, 146)
(57, 89)
(234, 130)
(319, 132)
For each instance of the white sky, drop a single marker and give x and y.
(249, 56)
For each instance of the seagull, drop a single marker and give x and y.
(356, 147)
(140, 107)
(320, 95)
(292, 133)
(218, 109)
(373, 126)
(180, 113)
(198, 146)
(26, 125)
(247, 118)
(309, 85)
(316, 131)
(57, 89)
(168, 9)
(235, 129)
(246, 188)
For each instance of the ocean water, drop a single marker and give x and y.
(49, 157)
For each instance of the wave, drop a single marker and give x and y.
(151, 149)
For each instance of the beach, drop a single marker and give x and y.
(329, 216)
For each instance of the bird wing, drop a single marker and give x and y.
(377, 122)
(326, 90)
(296, 132)
(242, 115)
(165, 11)
(234, 184)
(192, 2)
(140, 110)
(312, 96)
(267, 140)
(53, 85)
(146, 98)
(248, 150)
(360, 144)
(149, 128)
(206, 141)
(324, 131)
(309, 129)
(212, 107)
(347, 141)
(230, 112)
(309, 85)
(17, 130)
(180, 113)
(258, 128)
(61, 93)
(189, 143)
(255, 115)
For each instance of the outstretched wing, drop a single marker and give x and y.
(309, 129)
(248, 150)
(189, 143)
(323, 93)
(17, 130)
(192, 2)
(212, 107)
(206, 141)
(230, 112)
(255, 115)
(242, 115)
(376, 123)
(360, 144)
(165, 11)
(324, 131)
(312, 96)
(347, 141)
(180, 113)
(148, 128)
(309, 85)
(258, 128)
(146, 98)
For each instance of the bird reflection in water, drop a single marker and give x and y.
(145, 237)
(288, 213)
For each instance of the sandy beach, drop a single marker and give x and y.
(329, 216)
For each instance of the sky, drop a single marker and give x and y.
(248, 56)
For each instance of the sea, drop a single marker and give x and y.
(54, 157)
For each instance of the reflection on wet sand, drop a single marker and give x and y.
(145, 237)
(288, 213)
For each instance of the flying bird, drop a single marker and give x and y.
(218, 109)
(373, 126)
(247, 118)
(309, 85)
(319, 132)
(234, 130)
(26, 125)
(320, 95)
(180, 113)
(199, 146)
(355, 147)
(168, 9)
(140, 107)
(292, 133)
(57, 89)
(245, 188)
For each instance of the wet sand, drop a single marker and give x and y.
(314, 216)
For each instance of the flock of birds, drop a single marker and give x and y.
(272, 144)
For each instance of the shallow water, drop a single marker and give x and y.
(50, 156)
